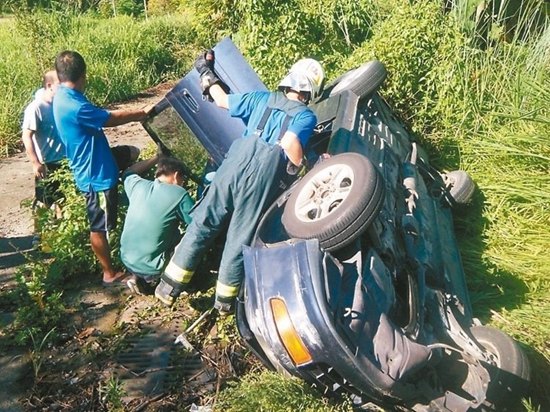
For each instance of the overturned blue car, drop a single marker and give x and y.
(354, 281)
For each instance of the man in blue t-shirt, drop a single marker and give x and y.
(256, 169)
(95, 166)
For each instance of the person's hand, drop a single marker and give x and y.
(39, 170)
(207, 80)
(149, 110)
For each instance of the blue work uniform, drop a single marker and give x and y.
(253, 174)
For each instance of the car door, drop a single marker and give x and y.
(213, 126)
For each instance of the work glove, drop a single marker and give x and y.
(205, 66)
(166, 292)
(224, 308)
(205, 62)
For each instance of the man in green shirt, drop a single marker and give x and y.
(152, 225)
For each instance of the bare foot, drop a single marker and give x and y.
(115, 278)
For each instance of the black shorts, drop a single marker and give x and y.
(123, 156)
(102, 208)
(46, 191)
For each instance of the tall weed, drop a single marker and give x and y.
(272, 35)
(421, 49)
(125, 56)
(20, 77)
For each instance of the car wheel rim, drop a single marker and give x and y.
(323, 194)
(492, 354)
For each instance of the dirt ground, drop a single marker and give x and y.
(16, 185)
(79, 379)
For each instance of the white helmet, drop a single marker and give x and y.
(306, 75)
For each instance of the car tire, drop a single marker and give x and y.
(461, 186)
(335, 202)
(510, 371)
(362, 81)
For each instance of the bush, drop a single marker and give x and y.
(272, 35)
(124, 56)
(418, 44)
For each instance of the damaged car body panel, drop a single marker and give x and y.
(367, 301)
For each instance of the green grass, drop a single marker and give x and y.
(124, 56)
(270, 391)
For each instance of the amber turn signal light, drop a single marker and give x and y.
(289, 337)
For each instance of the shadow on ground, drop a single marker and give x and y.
(14, 251)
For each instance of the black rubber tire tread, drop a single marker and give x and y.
(351, 217)
(510, 379)
(363, 81)
(462, 187)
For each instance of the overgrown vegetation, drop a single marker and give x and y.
(476, 91)
(124, 56)
(41, 283)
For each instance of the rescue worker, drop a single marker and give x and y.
(256, 170)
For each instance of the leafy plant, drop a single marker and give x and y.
(111, 393)
(68, 238)
(40, 305)
(37, 352)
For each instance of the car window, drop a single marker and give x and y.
(168, 127)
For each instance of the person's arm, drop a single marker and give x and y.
(119, 117)
(185, 207)
(38, 168)
(297, 136)
(142, 166)
(292, 147)
(131, 176)
(219, 96)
